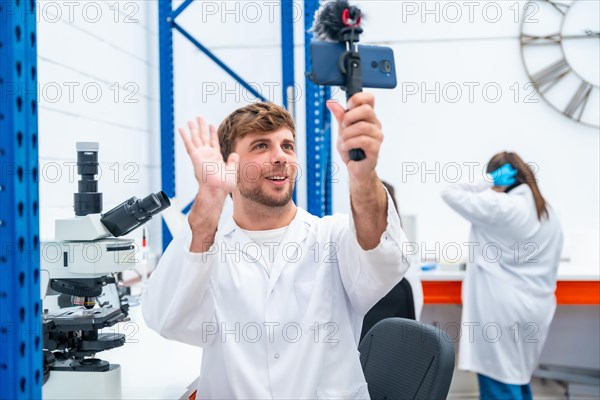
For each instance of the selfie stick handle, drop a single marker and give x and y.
(350, 65)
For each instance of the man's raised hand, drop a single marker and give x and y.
(359, 128)
(202, 146)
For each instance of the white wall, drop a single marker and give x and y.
(98, 81)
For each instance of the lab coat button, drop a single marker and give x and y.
(276, 355)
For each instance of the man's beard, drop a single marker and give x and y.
(255, 194)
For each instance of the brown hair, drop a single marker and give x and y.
(257, 117)
(524, 175)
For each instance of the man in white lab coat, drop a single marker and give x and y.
(276, 296)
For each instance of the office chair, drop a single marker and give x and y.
(398, 303)
(405, 359)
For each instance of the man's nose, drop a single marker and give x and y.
(279, 156)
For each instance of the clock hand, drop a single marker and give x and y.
(588, 34)
(591, 33)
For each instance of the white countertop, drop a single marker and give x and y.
(567, 271)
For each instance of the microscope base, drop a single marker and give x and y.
(83, 384)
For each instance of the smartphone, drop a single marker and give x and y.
(378, 69)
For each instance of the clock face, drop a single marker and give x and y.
(560, 47)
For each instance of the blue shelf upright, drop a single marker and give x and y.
(287, 56)
(318, 131)
(167, 110)
(20, 304)
(288, 93)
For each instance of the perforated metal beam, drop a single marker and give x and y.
(318, 131)
(288, 93)
(167, 111)
(20, 304)
(287, 55)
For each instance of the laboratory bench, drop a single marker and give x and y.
(576, 285)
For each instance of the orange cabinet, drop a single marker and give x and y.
(567, 292)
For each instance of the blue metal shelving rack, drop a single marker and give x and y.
(318, 119)
(318, 131)
(288, 93)
(20, 304)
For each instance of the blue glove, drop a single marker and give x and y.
(504, 176)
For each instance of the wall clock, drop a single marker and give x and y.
(560, 49)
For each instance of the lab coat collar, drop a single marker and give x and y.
(297, 231)
(302, 216)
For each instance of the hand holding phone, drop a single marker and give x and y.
(359, 128)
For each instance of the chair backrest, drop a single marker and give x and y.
(406, 359)
(398, 303)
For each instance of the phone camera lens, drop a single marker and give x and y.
(386, 66)
(374, 64)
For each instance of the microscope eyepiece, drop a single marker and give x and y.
(87, 200)
(134, 212)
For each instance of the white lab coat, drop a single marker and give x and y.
(292, 334)
(508, 291)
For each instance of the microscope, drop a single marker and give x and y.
(81, 264)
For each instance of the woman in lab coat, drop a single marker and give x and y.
(508, 291)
